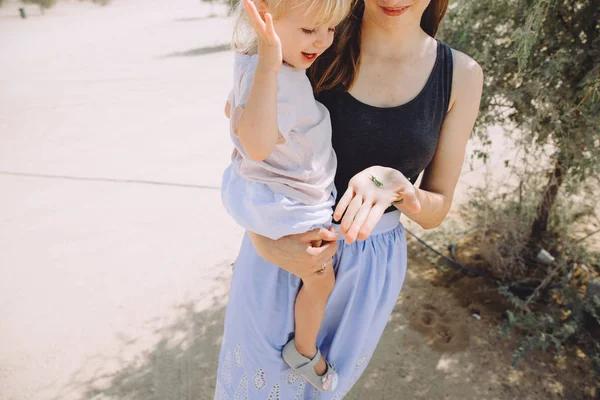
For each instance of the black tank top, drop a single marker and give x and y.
(403, 137)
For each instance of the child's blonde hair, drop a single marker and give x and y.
(245, 38)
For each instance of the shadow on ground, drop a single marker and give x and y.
(182, 365)
(199, 51)
(195, 19)
(179, 363)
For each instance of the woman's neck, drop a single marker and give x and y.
(397, 42)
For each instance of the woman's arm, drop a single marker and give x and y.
(370, 192)
(257, 129)
(439, 181)
(296, 253)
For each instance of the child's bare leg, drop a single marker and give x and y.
(309, 311)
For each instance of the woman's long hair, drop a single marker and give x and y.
(337, 67)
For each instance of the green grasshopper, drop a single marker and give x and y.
(379, 184)
(376, 181)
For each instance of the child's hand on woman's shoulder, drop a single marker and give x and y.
(270, 55)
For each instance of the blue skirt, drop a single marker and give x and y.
(259, 319)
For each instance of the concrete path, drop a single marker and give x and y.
(112, 144)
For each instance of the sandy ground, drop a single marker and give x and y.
(114, 248)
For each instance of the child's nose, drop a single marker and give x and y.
(324, 40)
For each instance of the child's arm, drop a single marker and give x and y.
(258, 129)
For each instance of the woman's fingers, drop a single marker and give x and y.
(357, 224)
(321, 254)
(254, 17)
(342, 204)
(350, 214)
(326, 235)
(373, 218)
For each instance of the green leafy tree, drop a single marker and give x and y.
(541, 60)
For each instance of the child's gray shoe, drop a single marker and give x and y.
(305, 367)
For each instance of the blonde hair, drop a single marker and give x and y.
(245, 39)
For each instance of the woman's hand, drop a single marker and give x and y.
(369, 194)
(298, 254)
(270, 56)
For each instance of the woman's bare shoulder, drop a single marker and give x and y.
(467, 77)
(464, 63)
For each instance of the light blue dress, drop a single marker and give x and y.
(259, 319)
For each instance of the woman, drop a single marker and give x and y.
(401, 103)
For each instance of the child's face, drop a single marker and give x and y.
(301, 41)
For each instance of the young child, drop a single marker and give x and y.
(281, 176)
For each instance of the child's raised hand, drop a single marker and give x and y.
(269, 46)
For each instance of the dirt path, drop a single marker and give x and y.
(433, 347)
